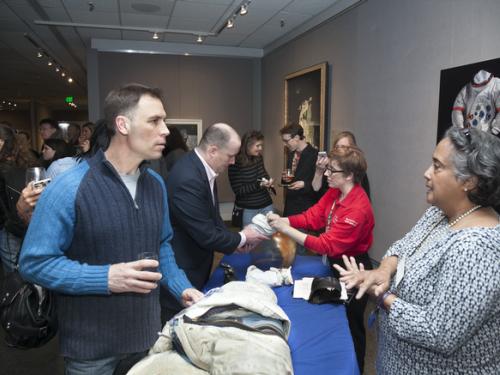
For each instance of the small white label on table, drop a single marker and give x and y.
(302, 288)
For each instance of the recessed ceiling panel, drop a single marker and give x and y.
(142, 20)
(147, 7)
(104, 18)
(198, 24)
(99, 5)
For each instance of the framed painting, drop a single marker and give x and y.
(190, 129)
(468, 95)
(305, 102)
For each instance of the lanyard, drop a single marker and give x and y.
(330, 215)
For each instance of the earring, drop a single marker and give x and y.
(465, 189)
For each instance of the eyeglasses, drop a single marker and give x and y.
(332, 171)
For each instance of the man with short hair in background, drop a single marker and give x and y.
(49, 128)
(89, 234)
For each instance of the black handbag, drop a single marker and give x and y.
(237, 217)
(27, 313)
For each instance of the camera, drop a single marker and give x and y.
(41, 184)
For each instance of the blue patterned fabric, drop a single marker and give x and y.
(446, 319)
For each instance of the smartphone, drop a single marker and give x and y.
(322, 154)
(41, 184)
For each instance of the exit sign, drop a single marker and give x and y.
(69, 99)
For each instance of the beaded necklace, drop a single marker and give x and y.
(466, 213)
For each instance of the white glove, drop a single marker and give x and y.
(259, 222)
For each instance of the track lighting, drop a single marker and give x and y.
(39, 55)
(230, 23)
(49, 63)
(70, 80)
(155, 36)
(244, 9)
(199, 39)
(63, 74)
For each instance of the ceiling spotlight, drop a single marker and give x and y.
(155, 36)
(63, 74)
(244, 9)
(49, 63)
(70, 80)
(199, 39)
(39, 55)
(57, 69)
(230, 23)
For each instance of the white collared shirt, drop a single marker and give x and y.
(211, 174)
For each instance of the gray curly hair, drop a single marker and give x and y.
(477, 154)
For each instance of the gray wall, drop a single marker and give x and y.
(385, 58)
(208, 88)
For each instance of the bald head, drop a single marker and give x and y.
(219, 135)
(219, 146)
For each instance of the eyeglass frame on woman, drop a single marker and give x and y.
(332, 171)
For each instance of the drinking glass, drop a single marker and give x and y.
(286, 177)
(35, 174)
(148, 255)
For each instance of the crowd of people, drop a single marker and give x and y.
(436, 289)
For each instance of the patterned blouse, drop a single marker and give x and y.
(446, 319)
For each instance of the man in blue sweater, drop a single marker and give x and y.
(87, 232)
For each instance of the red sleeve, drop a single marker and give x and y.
(343, 237)
(315, 217)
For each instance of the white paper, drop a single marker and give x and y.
(302, 288)
(343, 293)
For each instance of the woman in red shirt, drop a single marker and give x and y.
(347, 216)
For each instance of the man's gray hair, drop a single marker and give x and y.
(219, 134)
(477, 154)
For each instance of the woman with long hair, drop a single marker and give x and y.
(341, 142)
(249, 179)
(55, 149)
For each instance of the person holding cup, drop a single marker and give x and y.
(13, 163)
(301, 163)
(88, 230)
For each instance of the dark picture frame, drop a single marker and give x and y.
(305, 102)
(189, 128)
(451, 82)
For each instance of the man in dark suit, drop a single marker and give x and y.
(194, 210)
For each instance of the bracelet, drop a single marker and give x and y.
(380, 302)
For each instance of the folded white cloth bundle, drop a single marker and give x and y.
(259, 222)
(272, 277)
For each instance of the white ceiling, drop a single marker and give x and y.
(23, 76)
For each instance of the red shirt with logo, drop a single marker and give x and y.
(351, 226)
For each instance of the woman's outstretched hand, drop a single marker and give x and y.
(373, 282)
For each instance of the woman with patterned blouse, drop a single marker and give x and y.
(438, 287)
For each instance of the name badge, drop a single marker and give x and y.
(400, 271)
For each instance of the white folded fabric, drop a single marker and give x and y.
(272, 277)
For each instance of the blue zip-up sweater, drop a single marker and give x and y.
(85, 221)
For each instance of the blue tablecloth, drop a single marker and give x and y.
(320, 340)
